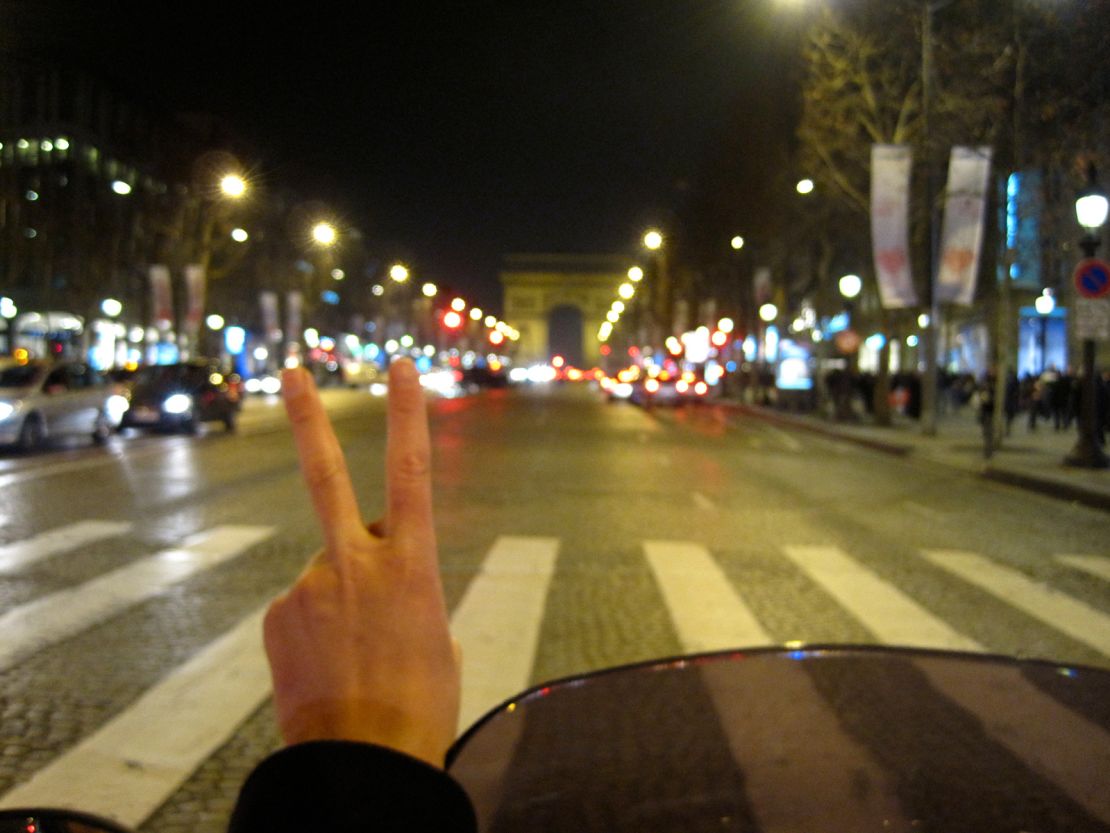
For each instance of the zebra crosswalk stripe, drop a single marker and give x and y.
(1097, 566)
(707, 612)
(132, 764)
(47, 620)
(1057, 610)
(886, 611)
(497, 622)
(21, 554)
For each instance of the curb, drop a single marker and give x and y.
(802, 424)
(1051, 487)
(1058, 489)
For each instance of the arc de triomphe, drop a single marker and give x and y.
(536, 285)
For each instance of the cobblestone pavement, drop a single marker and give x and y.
(810, 537)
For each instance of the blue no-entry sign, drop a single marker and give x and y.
(1092, 278)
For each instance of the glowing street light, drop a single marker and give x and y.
(737, 243)
(653, 239)
(804, 186)
(429, 290)
(324, 234)
(458, 304)
(475, 314)
(635, 274)
(626, 291)
(111, 307)
(768, 312)
(239, 235)
(233, 185)
(726, 325)
(399, 272)
(120, 187)
(850, 286)
(215, 322)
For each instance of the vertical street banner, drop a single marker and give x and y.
(161, 297)
(965, 210)
(891, 167)
(268, 302)
(194, 300)
(761, 285)
(294, 302)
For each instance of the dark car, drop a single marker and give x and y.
(178, 397)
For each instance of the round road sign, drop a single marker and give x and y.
(1092, 278)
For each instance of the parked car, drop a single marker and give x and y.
(43, 400)
(179, 397)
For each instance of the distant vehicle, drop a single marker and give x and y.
(361, 374)
(668, 391)
(475, 378)
(41, 401)
(179, 397)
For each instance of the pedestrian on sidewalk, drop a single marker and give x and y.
(985, 396)
(1013, 400)
(1062, 398)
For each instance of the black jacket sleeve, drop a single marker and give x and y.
(343, 787)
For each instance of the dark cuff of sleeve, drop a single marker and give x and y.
(340, 786)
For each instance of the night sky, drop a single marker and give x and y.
(453, 133)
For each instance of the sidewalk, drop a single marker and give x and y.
(1029, 459)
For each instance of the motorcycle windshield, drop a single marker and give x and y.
(820, 739)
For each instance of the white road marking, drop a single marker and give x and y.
(1050, 738)
(498, 621)
(1057, 610)
(788, 441)
(131, 765)
(702, 502)
(22, 475)
(20, 554)
(707, 612)
(35, 625)
(886, 611)
(823, 760)
(1096, 565)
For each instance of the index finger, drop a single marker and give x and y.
(408, 511)
(322, 463)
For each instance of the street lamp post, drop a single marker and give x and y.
(850, 287)
(1090, 210)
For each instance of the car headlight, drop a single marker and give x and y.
(6, 410)
(116, 407)
(179, 403)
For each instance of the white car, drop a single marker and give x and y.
(41, 401)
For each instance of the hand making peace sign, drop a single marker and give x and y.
(359, 646)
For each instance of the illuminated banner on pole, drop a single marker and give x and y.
(194, 300)
(268, 301)
(294, 301)
(965, 209)
(762, 285)
(161, 297)
(891, 166)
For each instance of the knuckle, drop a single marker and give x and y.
(321, 471)
(413, 465)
